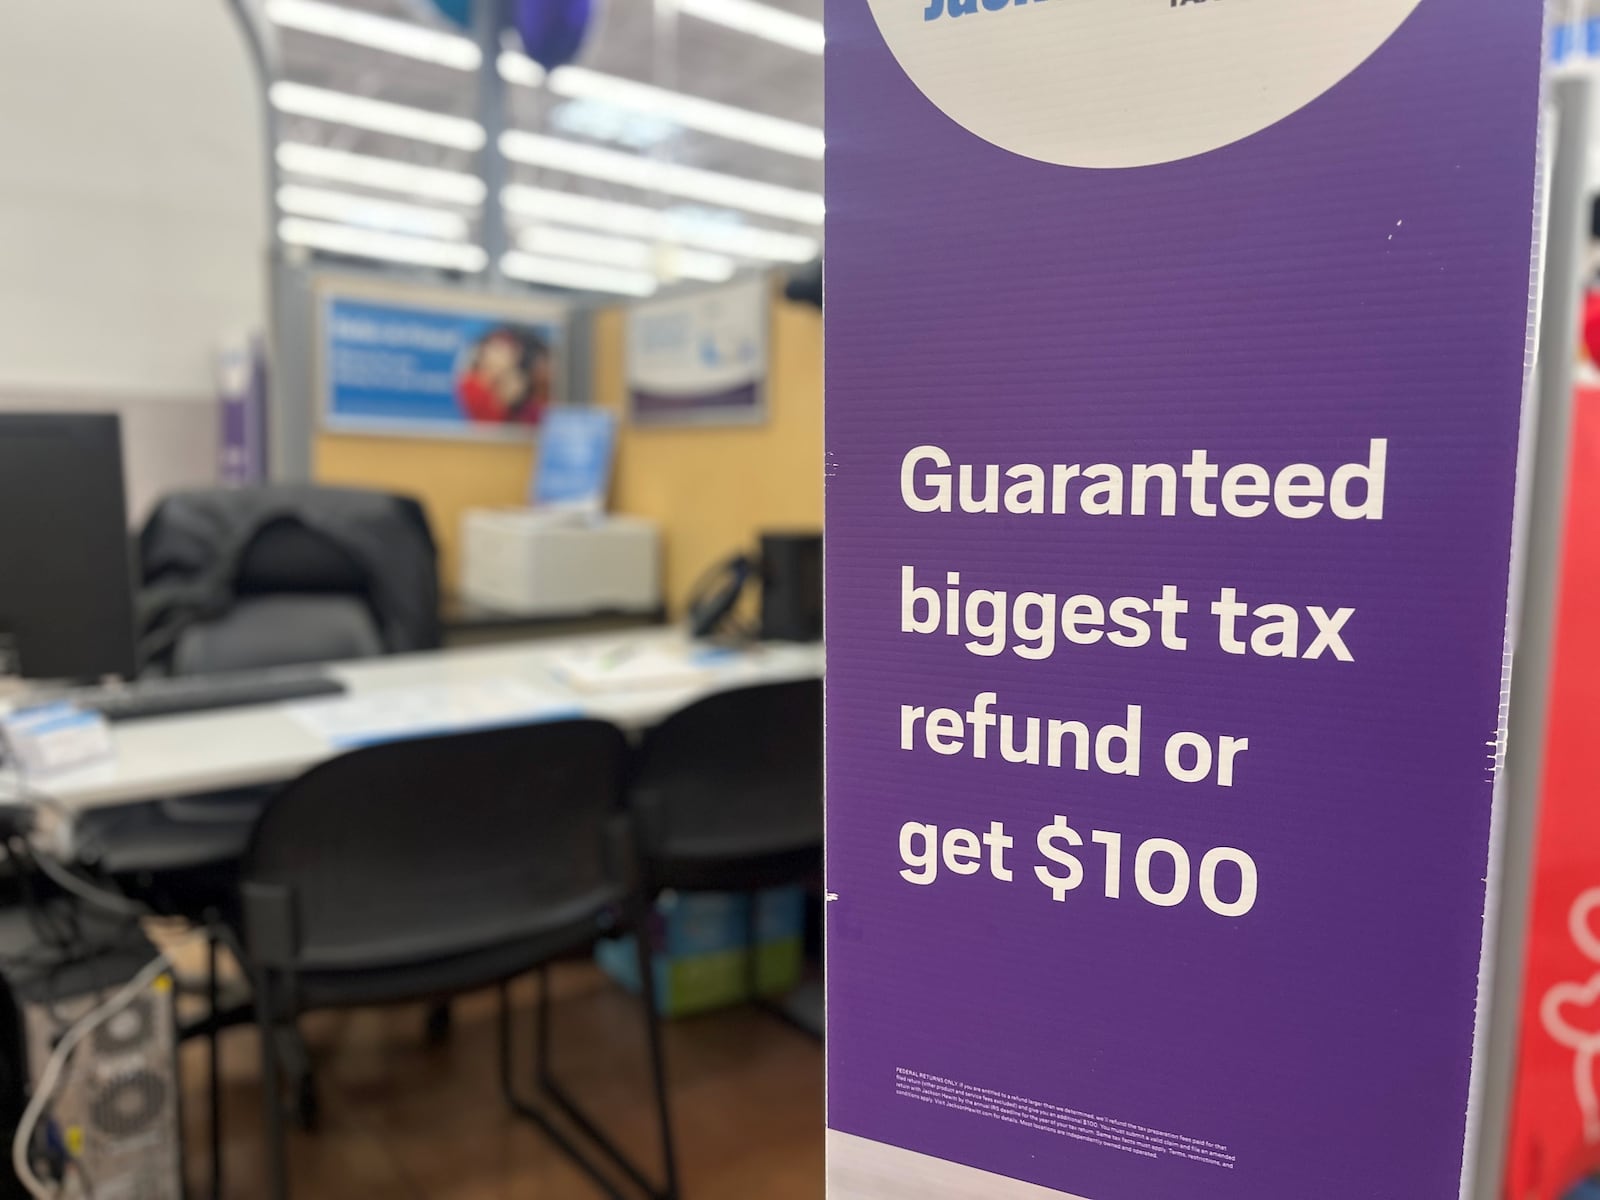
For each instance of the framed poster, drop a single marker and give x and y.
(1175, 362)
(435, 362)
(700, 358)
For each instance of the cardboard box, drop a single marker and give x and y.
(701, 962)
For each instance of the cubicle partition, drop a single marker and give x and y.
(711, 489)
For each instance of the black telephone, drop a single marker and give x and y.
(713, 599)
(789, 571)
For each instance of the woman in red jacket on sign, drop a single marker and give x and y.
(507, 378)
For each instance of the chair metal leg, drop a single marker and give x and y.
(537, 1115)
(752, 946)
(658, 1073)
(272, 1093)
(436, 1026)
(558, 1096)
(541, 1029)
(214, 1037)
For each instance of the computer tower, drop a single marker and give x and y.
(115, 1113)
(791, 587)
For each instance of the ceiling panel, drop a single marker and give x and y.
(688, 55)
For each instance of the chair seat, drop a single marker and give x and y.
(279, 631)
(444, 976)
(745, 873)
(421, 935)
(180, 855)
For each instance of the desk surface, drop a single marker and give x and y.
(201, 752)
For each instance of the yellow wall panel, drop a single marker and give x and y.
(713, 490)
(449, 477)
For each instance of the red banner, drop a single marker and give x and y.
(1555, 1133)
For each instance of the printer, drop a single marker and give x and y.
(558, 562)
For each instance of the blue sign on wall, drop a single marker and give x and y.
(401, 366)
(575, 451)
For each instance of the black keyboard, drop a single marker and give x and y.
(203, 693)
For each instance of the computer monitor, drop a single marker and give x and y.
(66, 571)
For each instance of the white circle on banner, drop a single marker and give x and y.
(1128, 83)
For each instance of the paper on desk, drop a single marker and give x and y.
(393, 714)
(632, 668)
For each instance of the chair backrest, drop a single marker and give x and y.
(212, 554)
(737, 775)
(278, 631)
(413, 851)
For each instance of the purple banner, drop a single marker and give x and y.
(1175, 360)
(241, 368)
(647, 404)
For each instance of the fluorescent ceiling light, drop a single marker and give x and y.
(746, 241)
(380, 116)
(679, 263)
(673, 262)
(386, 173)
(593, 247)
(636, 220)
(649, 174)
(519, 68)
(692, 112)
(370, 213)
(367, 243)
(534, 268)
(594, 121)
(760, 20)
(378, 33)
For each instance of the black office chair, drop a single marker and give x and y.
(425, 868)
(728, 796)
(236, 578)
(245, 578)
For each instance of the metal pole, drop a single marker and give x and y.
(1533, 647)
(263, 43)
(488, 19)
(289, 415)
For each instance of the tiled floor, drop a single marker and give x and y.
(403, 1119)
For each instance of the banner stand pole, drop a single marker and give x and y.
(1541, 525)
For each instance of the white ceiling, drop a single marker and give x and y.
(709, 61)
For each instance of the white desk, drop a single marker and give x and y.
(203, 752)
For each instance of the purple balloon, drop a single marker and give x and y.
(552, 31)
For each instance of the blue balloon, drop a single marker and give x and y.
(552, 31)
(459, 11)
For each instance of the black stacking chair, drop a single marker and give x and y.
(236, 579)
(728, 795)
(421, 869)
